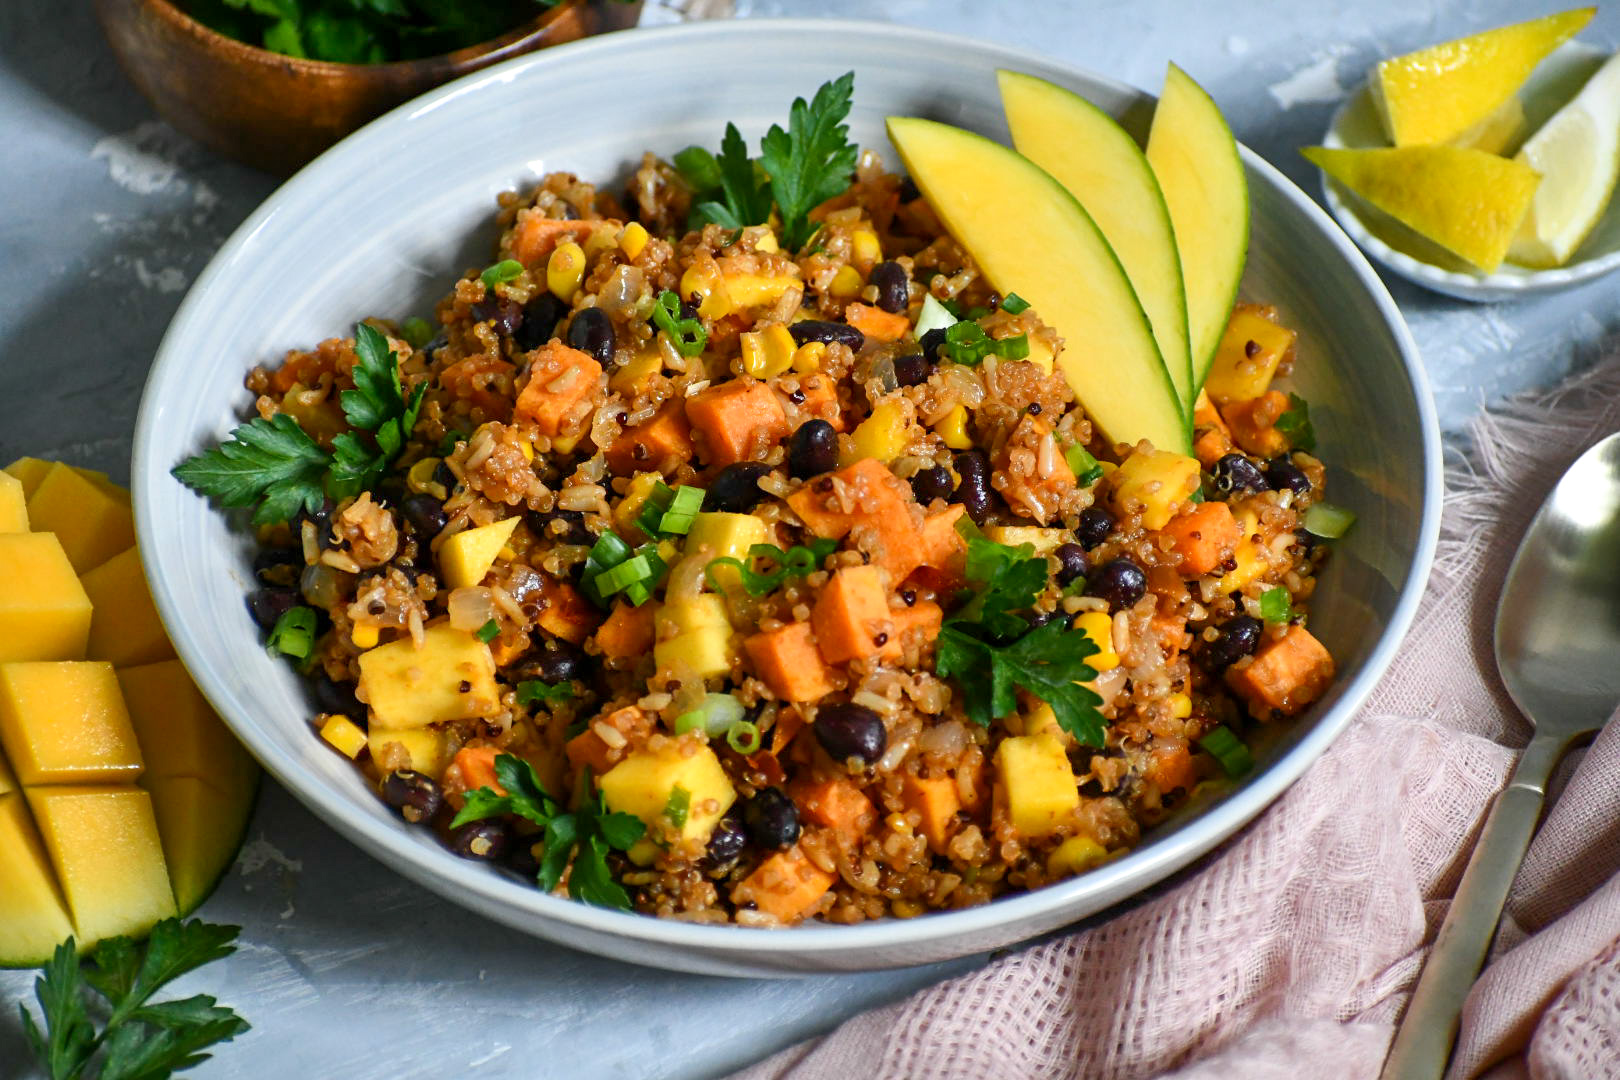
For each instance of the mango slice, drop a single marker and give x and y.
(33, 914)
(467, 556)
(125, 628)
(91, 519)
(179, 733)
(44, 612)
(201, 827)
(64, 722)
(104, 844)
(13, 505)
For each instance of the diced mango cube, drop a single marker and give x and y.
(725, 534)
(104, 844)
(1155, 483)
(757, 290)
(695, 636)
(13, 505)
(8, 782)
(179, 732)
(125, 628)
(1098, 626)
(92, 522)
(451, 677)
(1034, 774)
(44, 612)
(643, 782)
(344, 736)
(1075, 854)
(1042, 540)
(1249, 556)
(1247, 358)
(426, 750)
(467, 556)
(33, 915)
(201, 828)
(64, 722)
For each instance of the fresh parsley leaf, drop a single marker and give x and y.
(813, 160)
(1296, 424)
(1010, 579)
(270, 462)
(1275, 605)
(377, 404)
(533, 692)
(598, 830)
(699, 169)
(747, 197)
(70, 1038)
(1049, 662)
(416, 331)
(488, 632)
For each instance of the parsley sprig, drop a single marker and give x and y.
(377, 404)
(583, 836)
(990, 650)
(1296, 424)
(140, 1040)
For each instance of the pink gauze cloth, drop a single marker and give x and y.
(1291, 952)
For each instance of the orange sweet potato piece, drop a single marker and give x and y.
(788, 724)
(786, 885)
(566, 613)
(936, 801)
(588, 748)
(1204, 538)
(838, 804)
(1210, 445)
(537, 236)
(1170, 768)
(1254, 423)
(477, 767)
(847, 613)
(942, 546)
(1286, 674)
(924, 615)
(875, 323)
(821, 400)
(789, 663)
(559, 379)
(735, 418)
(1205, 415)
(668, 434)
(627, 632)
(871, 495)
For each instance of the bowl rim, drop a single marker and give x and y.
(1151, 864)
(1453, 282)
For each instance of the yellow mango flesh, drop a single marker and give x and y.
(1247, 360)
(725, 534)
(1156, 482)
(1030, 236)
(1041, 540)
(467, 556)
(427, 749)
(642, 783)
(1038, 784)
(103, 842)
(13, 505)
(1201, 174)
(201, 827)
(33, 915)
(695, 635)
(64, 722)
(179, 733)
(125, 628)
(1249, 557)
(92, 520)
(44, 612)
(8, 782)
(1087, 152)
(451, 677)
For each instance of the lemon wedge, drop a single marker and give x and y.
(1577, 153)
(1435, 95)
(1496, 132)
(1467, 201)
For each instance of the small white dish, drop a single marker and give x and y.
(1356, 126)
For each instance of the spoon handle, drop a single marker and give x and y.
(1423, 1043)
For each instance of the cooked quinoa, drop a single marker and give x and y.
(822, 768)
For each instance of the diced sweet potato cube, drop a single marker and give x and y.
(789, 663)
(627, 632)
(942, 546)
(821, 400)
(936, 800)
(865, 493)
(566, 613)
(737, 418)
(664, 439)
(560, 379)
(477, 767)
(537, 236)
(1204, 538)
(848, 614)
(837, 803)
(589, 748)
(1254, 423)
(786, 885)
(1210, 445)
(1171, 769)
(924, 616)
(875, 323)
(1286, 674)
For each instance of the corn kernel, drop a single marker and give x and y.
(953, 429)
(632, 240)
(807, 357)
(526, 448)
(565, 270)
(1180, 706)
(882, 435)
(767, 244)
(846, 283)
(344, 736)
(364, 636)
(1075, 854)
(420, 479)
(704, 281)
(564, 444)
(865, 250)
(767, 353)
(1099, 627)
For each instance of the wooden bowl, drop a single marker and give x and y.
(277, 112)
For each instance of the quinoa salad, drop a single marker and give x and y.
(762, 573)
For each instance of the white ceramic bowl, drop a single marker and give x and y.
(1356, 126)
(382, 223)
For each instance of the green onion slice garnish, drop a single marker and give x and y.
(1275, 606)
(294, 634)
(1328, 521)
(501, 272)
(743, 737)
(797, 561)
(688, 334)
(1013, 304)
(678, 806)
(488, 632)
(1227, 749)
(1086, 469)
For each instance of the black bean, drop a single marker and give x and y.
(1072, 562)
(1095, 526)
(851, 731)
(726, 843)
(522, 858)
(931, 484)
(273, 557)
(503, 313)
(931, 342)
(335, 697)
(487, 840)
(560, 526)
(440, 340)
(444, 477)
(974, 491)
(1118, 581)
(912, 369)
(271, 603)
(425, 514)
(736, 489)
(591, 332)
(893, 286)
(1234, 474)
(562, 210)
(554, 662)
(540, 318)
(1305, 541)
(771, 819)
(831, 333)
(1284, 475)
(1235, 639)
(813, 449)
(416, 796)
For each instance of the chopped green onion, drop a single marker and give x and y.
(1275, 606)
(687, 335)
(1013, 304)
(683, 510)
(1086, 469)
(743, 737)
(501, 273)
(1227, 749)
(933, 316)
(608, 552)
(488, 632)
(797, 561)
(678, 806)
(416, 331)
(690, 721)
(627, 573)
(714, 715)
(1012, 348)
(967, 343)
(1328, 521)
(698, 168)
(533, 692)
(650, 517)
(293, 634)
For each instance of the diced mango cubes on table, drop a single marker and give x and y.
(44, 612)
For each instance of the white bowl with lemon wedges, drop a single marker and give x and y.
(1500, 184)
